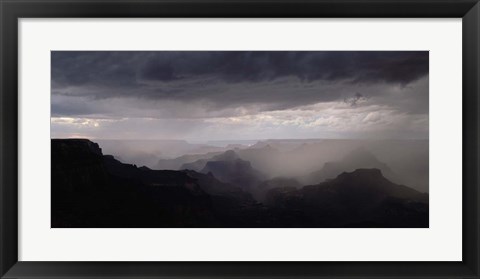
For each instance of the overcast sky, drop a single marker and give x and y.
(231, 95)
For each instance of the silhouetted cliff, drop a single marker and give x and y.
(90, 189)
(362, 198)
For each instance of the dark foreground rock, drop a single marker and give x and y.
(93, 190)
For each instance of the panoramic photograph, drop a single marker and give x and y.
(239, 139)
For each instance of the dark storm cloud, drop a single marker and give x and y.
(92, 68)
(228, 94)
(206, 84)
(128, 68)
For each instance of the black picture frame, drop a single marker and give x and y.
(11, 11)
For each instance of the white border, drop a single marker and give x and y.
(441, 242)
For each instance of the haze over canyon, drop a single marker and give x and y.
(240, 139)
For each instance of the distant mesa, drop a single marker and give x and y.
(358, 158)
(198, 165)
(355, 199)
(183, 162)
(228, 155)
(228, 167)
(236, 146)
